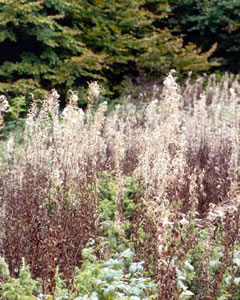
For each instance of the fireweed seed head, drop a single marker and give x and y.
(4, 106)
(93, 92)
(170, 81)
(73, 98)
(55, 94)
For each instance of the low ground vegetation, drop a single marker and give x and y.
(141, 202)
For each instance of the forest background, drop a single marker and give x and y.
(124, 45)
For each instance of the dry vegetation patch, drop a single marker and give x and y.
(166, 177)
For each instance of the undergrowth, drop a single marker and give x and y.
(160, 181)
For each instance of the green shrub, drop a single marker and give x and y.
(21, 288)
(207, 22)
(118, 277)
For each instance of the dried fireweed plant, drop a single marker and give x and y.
(181, 149)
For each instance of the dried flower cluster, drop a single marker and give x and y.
(3, 108)
(183, 151)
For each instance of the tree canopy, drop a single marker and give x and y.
(205, 22)
(64, 44)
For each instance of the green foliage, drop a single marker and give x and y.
(108, 208)
(18, 107)
(107, 196)
(40, 50)
(207, 22)
(64, 44)
(131, 190)
(116, 278)
(21, 288)
(207, 260)
(60, 291)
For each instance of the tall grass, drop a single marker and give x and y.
(181, 150)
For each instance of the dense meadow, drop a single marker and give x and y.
(140, 201)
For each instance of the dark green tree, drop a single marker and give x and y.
(39, 50)
(205, 22)
(64, 44)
